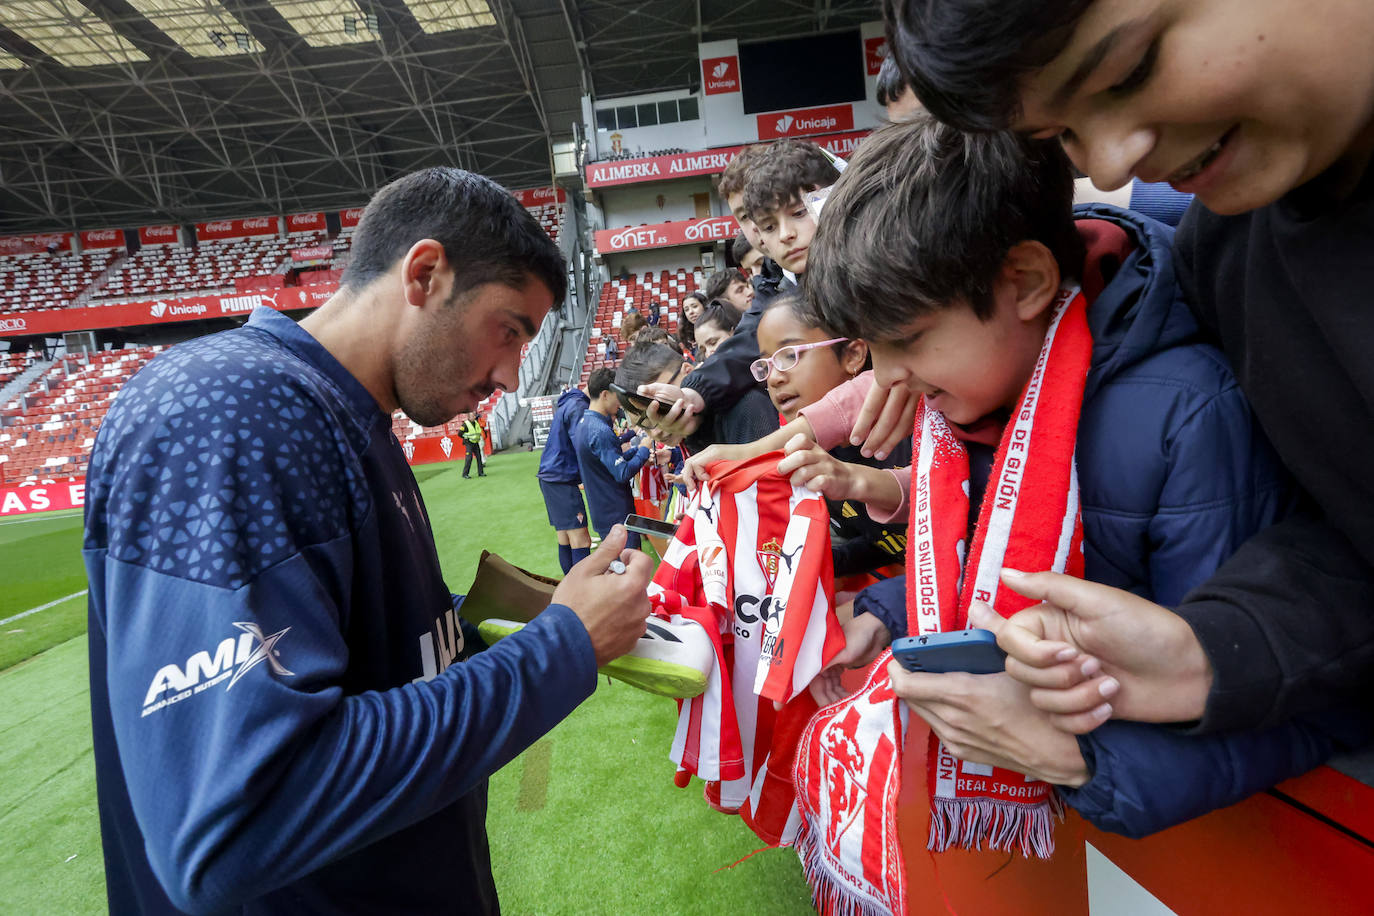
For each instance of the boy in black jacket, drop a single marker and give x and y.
(777, 176)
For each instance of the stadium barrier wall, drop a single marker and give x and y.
(43, 497)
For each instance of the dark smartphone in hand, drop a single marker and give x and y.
(970, 651)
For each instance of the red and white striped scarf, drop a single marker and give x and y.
(751, 564)
(849, 762)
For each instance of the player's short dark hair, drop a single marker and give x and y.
(644, 362)
(735, 175)
(487, 236)
(599, 381)
(787, 170)
(721, 314)
(740, 248)
(923, 218)
(716, 284)
(891, 84)
(966, 59)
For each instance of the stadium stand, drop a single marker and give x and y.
(635, 294)
(29, 282)
(550, 218)
(209, 267)
(12, 364)
(48, 430)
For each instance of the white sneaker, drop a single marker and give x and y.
(670, 659)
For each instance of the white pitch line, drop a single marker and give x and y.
(42, 607)
(40, 517)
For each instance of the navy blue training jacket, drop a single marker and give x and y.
(1174, 475)
(284, 714)
(558, 463)
(606, 470)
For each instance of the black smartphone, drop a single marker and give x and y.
(971, 651)
(652, 526)
(640, 402)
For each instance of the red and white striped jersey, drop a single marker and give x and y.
(751, 564)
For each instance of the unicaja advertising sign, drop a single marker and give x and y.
(720, 75)
(805, 121)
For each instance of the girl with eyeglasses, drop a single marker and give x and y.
(818, 383)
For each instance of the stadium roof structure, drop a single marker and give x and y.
(129, 112)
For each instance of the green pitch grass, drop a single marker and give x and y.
(587, 820)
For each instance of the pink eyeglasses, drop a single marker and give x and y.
(786, 358)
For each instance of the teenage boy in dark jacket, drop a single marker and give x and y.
(773, 184)
(1173, 475)
(1275, 256)
(559, 479)
(606, 469)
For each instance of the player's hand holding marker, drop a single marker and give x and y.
(612, 607)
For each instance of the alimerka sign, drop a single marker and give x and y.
(665, 235)
(702, 162)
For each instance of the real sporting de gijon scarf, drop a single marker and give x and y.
(849, 760)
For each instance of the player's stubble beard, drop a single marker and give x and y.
(436, 357)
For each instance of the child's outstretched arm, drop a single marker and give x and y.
(808, 465)
(694, 469)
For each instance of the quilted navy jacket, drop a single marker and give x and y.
(1174, 475)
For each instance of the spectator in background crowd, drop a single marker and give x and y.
(714, 326)
(687, 341)
(731, 286)
(559, 480)
(692, 305)
(751, 416)
(320, 565)
(610, 350)
(749, 258)
(777, 177)
(654, 312)
(607, 470)
(632, 325)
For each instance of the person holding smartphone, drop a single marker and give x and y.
(607, 469)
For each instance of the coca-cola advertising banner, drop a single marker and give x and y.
(875, 49)
(46, 497)
(237, 228)
(36, 243)
(158, 235)
(305, 222)
(687, 165)
(538, 197)
(163, 311)
(102, 238)
(720, 75)
(349, 218)
(665, 235)
(313, 253)
(805, 121)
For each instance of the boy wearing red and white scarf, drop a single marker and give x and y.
(960, 247)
